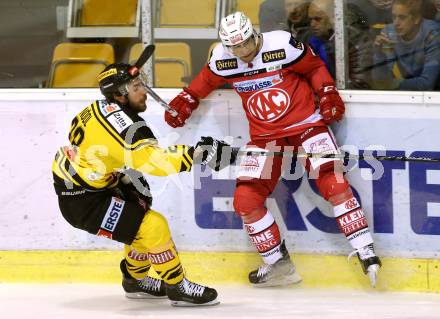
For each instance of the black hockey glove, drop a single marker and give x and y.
(214, 153)
(135, 188)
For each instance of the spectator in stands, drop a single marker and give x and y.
(407, 53)
(321, 15)
(272, 16)
(298, 18)
(437, 8)
(377, 13)
(428, 9)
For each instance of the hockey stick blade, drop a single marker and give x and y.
(145, 55)
(342, 156)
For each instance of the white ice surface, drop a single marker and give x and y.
(86, 301)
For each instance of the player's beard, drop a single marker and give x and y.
(139, 106)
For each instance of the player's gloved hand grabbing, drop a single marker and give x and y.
(331, 105)
(184, 104)
(135, 188)
(214, 153)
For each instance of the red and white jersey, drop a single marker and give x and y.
(276, 87)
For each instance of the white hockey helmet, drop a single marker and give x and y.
(235, 29)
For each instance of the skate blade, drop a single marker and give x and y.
(284, 280)
(190, 304)
(143, 295)
(372, 274)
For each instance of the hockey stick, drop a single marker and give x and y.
(148, 52)
(161, 102)
(343, 156)
(145, 55)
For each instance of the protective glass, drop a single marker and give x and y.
(134, 85)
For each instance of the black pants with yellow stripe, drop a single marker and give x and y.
(146, 234)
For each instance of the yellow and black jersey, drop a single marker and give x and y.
(105, 140)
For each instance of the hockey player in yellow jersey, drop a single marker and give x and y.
(101, 188)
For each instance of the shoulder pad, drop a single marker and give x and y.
(119, 120)
(285, 40)
(107, 108)
(222, 60)
(280, 49)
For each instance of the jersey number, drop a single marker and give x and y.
(76, 134)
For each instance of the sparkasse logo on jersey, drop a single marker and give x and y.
(274, 55)
(227, 64)
(257, 84)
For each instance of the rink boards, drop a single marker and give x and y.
(317, 271)
(401, 200)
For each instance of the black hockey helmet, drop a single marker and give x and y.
(114, 77)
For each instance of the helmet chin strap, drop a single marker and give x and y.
(256, 37)
(258, 41)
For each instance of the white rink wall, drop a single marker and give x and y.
(402, 206)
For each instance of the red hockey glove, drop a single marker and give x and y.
(330, 104)
(184, 104)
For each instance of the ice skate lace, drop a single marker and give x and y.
(150, 283)
(192, 288)
(263, 270)
(351, 254)
(364, 252)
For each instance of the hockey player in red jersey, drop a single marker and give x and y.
(277, 78)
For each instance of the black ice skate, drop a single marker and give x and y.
(147, 288)
(281, 273)
(188, 294)
(370, 263)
